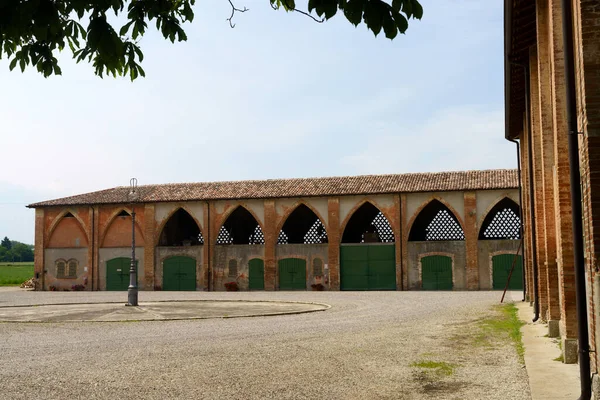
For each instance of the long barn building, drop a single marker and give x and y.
(433, 231)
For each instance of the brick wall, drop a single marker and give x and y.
(538, 195)
(471, 236)
(545, 120)
(562, 195)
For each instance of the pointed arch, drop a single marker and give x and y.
(301, 224)
(435, 220)
(240, 227)
(67, 213)
(179, 228)
(139, 231)
(367, 223)
(501, 221)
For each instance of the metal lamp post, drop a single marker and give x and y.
(132, 290)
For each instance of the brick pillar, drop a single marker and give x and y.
(587, 62)
(397, 228)
(38, 252)
(470, 230)
(538, 176)
(562, 195)
(212, 239)
(334, 239)
(404, 241)
(95, 267)
(206, 232)
(270, 234)
(149, 246)
(546, 117)
(528, 263)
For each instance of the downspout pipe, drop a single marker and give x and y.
(520, 209)
(575, 180)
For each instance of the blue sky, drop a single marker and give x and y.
(278, 96)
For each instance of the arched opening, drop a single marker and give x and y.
(118, 233)
(240, 228)
(368, 225)
(181, 230)
(302, 226)
(436, 222)
(502, 222)
(367, 253)
(68, 233)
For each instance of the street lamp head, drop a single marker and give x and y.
(133, 189)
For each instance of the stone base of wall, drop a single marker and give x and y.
(553, 328)
(570, 350)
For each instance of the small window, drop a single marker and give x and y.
(61, 267)
(72, 269)
(66, 269)
(233, 268)
(317, 267)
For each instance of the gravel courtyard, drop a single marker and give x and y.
(369, 345)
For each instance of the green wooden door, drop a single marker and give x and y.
(501, 265)
(436, 273)
(368, 267)
(179, 273)
(292, 274)
(117, 273)
(256, 271)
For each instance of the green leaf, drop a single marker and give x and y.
(13, 63)
(389, 27)
(125, 28)
(417, 9)
(400, 21)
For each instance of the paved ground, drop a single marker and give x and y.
(549, 379)
(361, 348)
(153, 311)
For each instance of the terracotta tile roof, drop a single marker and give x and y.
(300, 187)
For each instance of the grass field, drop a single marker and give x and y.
(13, 274)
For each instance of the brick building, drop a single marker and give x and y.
(552, 88)
(435, 231)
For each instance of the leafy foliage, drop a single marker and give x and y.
(33, 31)
(15, 251)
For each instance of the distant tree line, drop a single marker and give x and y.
(13, 251)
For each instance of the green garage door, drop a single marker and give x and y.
(117, 273)
(179, 273)
(501, 265)
(436, 273)
(292, 274)
(256, 278)
(368, 267)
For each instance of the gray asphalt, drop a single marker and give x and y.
(361, 348)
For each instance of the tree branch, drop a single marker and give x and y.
(321, 20)
(233, 10)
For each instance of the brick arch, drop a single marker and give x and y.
(491, 206)
(113, 216)
(359, 205)
(160, 228)
(60, 217)
(425, 204)
(228, 213)
(293, 208)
